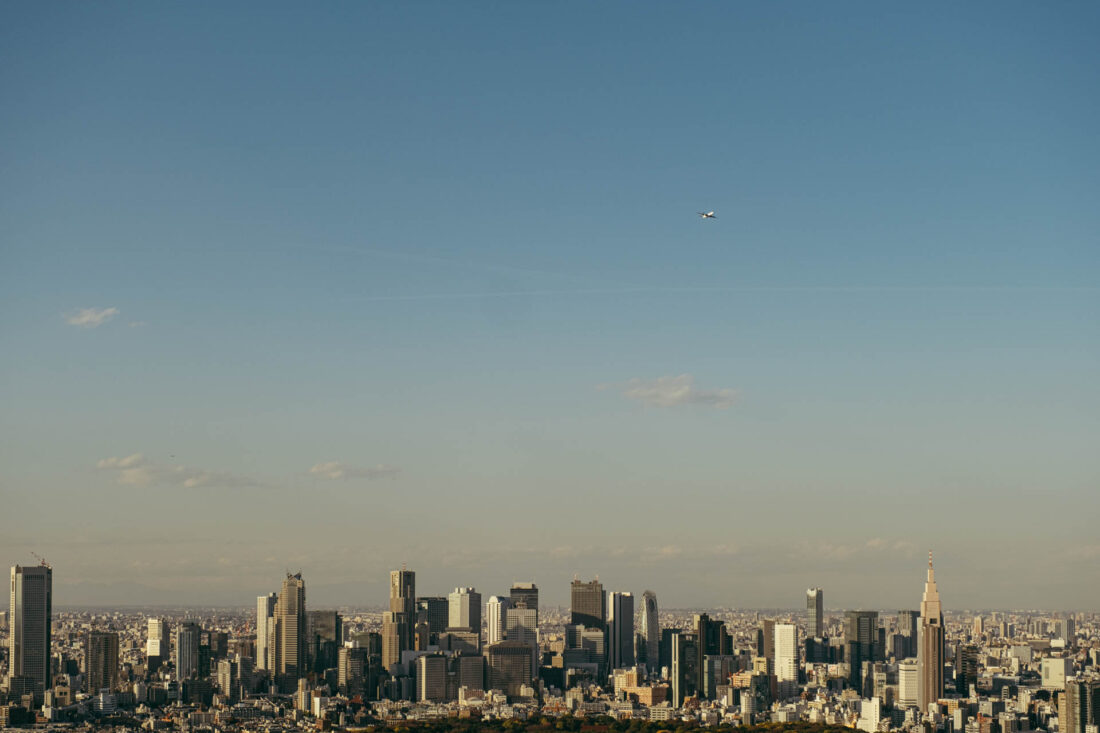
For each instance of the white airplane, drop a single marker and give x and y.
(707, 215)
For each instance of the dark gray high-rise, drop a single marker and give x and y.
(525, 595)
(588, 607)
(29, 625)
(860, 642)
(815, 613)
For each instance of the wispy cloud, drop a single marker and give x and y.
(91, 317)
(676, 391)
(843, 551)
(336, 471)
(134, 470)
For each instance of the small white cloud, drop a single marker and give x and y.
(91, 317)
(134, 470)
(127, 462)
(336, 471)
(676, 391)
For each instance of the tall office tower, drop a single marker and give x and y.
(434, 610)
(431, 678)
(399, 623)
(188, 635)
(711, 640)
(979, 628)
(860, 641)
(908, 623)
(159, 641)
(403, 601)
(522, 624)
(1080, 705)
(100, 661)
(464, 610)
(325, 635)
(1067, 630)
(685, 666)
(815, 613)
(395, 629)
(620, 626)
(786, 659)
(351, 670)
(930, 643)
(265, 623)
(966, 668)
(402, 591)
(30, 619)
(765, 639)
(588, 607)
(291, 653)
(908, 683)
(495, 609)
(651, 632)
(526, 594)
(508, 666)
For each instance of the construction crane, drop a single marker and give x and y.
(41, 560)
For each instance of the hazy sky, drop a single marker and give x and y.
(336, 287)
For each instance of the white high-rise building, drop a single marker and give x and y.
(786, 658)
(620, 629)
(464, 610)
(158, 642)
(496, 609)
(908, 683)
(265, 615)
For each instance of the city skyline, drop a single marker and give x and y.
(276, 280)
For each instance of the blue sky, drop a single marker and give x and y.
(424, 283)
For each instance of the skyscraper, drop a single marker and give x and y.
(100, 661)
(651, 631)
(265, 615)
(433, 610)
(685, 666)
(291, 652)
(908, 626)
(711, 641)
(522, 624)
(526, 594)
(620, 625)
(30, 627)
(786, 659)
(1080, 705)
(815, 613)
(765, 639)
(588, 606)
(495, 609)
(398, 623)
(159, 643)
(464, 610)
(188, 635)
(860, 643)
(930, 643)
(325, 635)
(508, 666)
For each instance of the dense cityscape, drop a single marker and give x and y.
(284, 666)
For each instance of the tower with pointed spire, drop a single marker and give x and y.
(930, 637)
